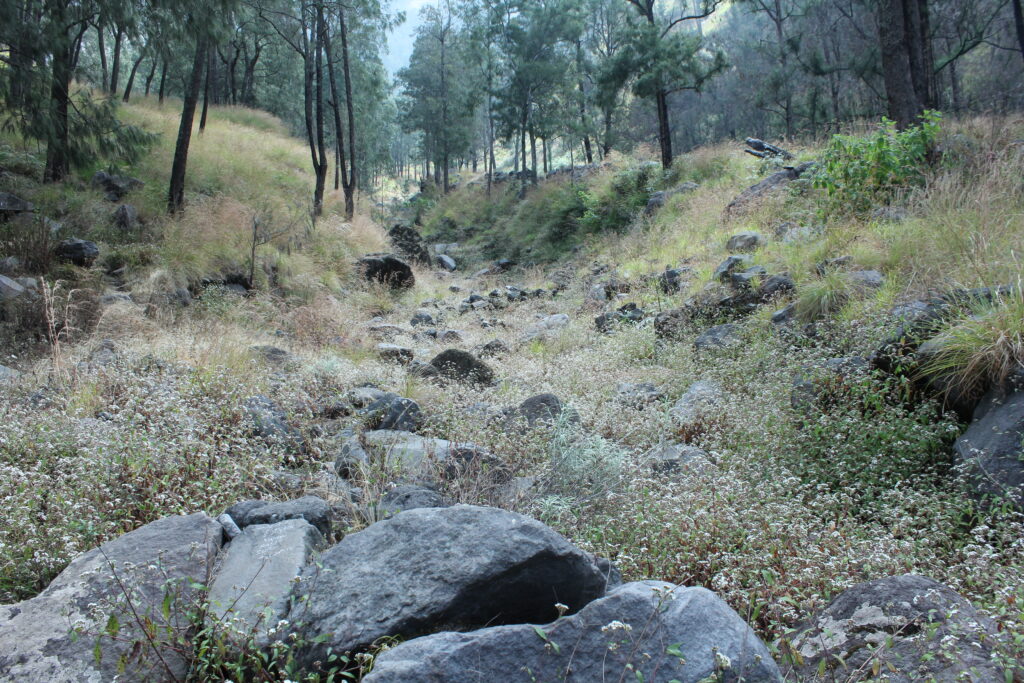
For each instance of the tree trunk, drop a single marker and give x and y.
(115, 65)
(131, 76)
(1018, 22)
(149, 77)
(58, 144)
(103, 58)
(176, 193)
(664, 130)
(206, 89)
(163, 82)
(321, 168)
(903, 103)
(350, 189)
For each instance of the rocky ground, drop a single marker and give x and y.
(604, 468)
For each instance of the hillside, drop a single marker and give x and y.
(778, 461)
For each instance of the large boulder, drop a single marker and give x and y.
(991, 449)
(644, 631)
(409, 243)
(718, 337)
(169, 557)
(540, 410)
(909, 627)
(462, 366)
(392, 411)
(82, 253)
(423, 456)
(115, 186)
(256, 575)
(698, 403)
(770, 185)
(11, 205)
(387, 269)
(744, 241)
(409, 497)
(9, 289)
(434, 568)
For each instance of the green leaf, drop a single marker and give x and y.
(113, 626)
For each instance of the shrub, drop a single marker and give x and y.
(858, 173)
(612, 208)
(982, 349)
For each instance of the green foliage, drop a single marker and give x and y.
(868, 441)
(615, 206)
(858, 173)
(981, 349)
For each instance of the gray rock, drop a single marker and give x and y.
(916, 628)
(395, 353)
(731, 264)
(449, 336)
(409, 497)
(546, 327)
(257, 573)
(865, 279)
(423, 456)
(540, 411)
(82, 253)
(126, 218)
(360, 397)
(351, 459)
(447, 262)
(430, 568)
(314, 510)
(775, 285)
(8, 374)
(650, 631)
(270, 423)
(168, 554)
(638, 395)
(391, 411)
(718, 337)
(675, 457)
(699, 402)
(744, 241)
(422, 317)
(115, 186)
(10, 289)
(11, 204)
(423, 370)
(991, 449)
(462, 366)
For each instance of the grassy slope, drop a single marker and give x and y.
(787, 514)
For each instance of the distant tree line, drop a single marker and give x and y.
(594, 75)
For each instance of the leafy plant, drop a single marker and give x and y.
(858, 173)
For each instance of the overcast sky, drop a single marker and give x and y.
(400, 40)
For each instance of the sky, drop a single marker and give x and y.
(400, 40)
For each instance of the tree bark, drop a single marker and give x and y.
(176, 193)
(664, 129)
(1018, 22)
(131, 76)
(206, 89)
(103, 58)
(350, 189)
(163, 82)
(904, 106)
(58, 145)
(115, 65)
(149, 77)
(318, 70)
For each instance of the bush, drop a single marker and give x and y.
(614, 207)
(982, 349)
(857, 173)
